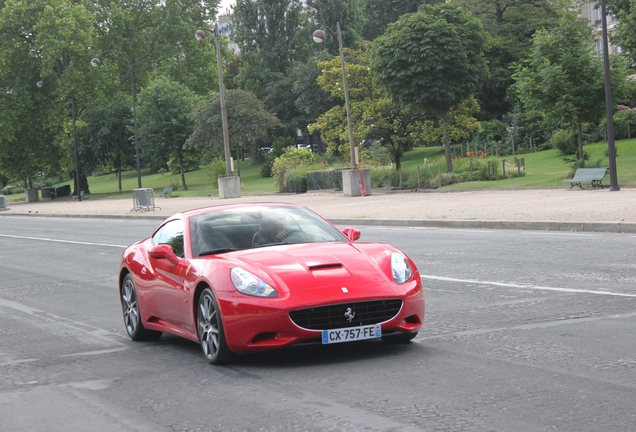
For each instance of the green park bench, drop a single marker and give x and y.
(587, 175)
(167, 192)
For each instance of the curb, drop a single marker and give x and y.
(612, 227)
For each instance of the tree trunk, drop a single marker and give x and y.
(83, 180)
(183, 182)
(447, 149)
(238, 158)
(119, 173)
(579, 129)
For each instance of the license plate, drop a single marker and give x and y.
(351, 334)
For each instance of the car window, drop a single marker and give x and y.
(172, 235)
(257, 226)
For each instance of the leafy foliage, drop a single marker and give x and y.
(164, 108)
(248, 122)
(432, 60)
(563, 77)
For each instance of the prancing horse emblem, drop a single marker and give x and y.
(349, 314)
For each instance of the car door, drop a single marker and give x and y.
(167, 292)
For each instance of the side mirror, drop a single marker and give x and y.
(352, 233)
(163, 251)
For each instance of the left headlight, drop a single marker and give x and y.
(400, 268)
(246, 283)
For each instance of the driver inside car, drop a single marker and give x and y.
(271, 231)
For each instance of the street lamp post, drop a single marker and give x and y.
(611, 149)
(348, 177)
(95, 62)
(230, 186)
(40, 84)
(319, 37)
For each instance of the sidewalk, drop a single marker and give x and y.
(542, 209)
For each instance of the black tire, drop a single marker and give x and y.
(132, 317)
(400, 338)
(210, 329)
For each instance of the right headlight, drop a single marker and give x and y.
(400, 268)
(246, 283)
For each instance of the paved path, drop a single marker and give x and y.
(555, 209)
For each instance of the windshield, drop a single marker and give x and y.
(258, 226)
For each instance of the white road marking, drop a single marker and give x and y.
(534, 287)
(62, 241)
(98, 352)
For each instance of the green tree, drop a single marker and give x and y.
(106, 135)
(380, 13)
(432, 61)
(564, 78)
(248, 122)
(329, 12)
(41, 40)
(374, 116)
(165, 124)
(272, 35)
(510, 23)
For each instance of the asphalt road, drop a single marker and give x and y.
(525, 331)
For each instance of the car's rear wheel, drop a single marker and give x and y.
(399, 338)
(132, 318)
(210, 327)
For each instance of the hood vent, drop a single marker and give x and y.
(325, 267)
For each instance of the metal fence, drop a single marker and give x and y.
(3, 203)
(324, 180)
(144, 199)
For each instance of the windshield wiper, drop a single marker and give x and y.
(218, 251)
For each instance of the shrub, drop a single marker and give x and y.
(215, 170)
(624, 124)
(291, 168)
(268, 163)
(11, 190)
(565, 141)
(375, 154)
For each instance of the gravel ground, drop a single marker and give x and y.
(547, 205)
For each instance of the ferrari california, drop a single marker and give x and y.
(249, 277)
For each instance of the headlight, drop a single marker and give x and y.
(400, 268)
(249, 284)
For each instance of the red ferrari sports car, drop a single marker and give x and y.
(248, 277)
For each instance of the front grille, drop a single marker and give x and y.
(336, 316)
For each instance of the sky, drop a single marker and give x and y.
(225, 4)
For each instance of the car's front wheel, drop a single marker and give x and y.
(210, 327)
(132, 318)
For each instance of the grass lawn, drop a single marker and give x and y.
(543, 169)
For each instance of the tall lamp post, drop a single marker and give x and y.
(319, 37)
(95, 62)
(349, 181)
(230, 186)
(40, 84)
(611, 149)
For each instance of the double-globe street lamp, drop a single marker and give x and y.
(348, 177)
(40, 84)
(319, 36)
(230, 186)
(131, 67)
